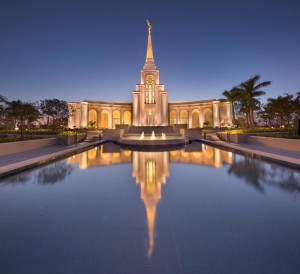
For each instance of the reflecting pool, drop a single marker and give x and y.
(108, 210)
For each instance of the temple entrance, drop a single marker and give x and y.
(150, 118)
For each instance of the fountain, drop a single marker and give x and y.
(152, 137)
(142, 136)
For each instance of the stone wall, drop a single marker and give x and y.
(178, 127)
(234, 138)
(281, 143)
(193, 133)
(70, 139)
(112, 134)
(22, 146)
(125, 127)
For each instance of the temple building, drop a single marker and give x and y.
(150, 106)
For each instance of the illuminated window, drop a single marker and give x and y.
(92, 115)
(127, 117)
(183, 117)
(172, 117)
(150, 90)
(195, 118)
(104, 119)
(116, 118)
(208, 119)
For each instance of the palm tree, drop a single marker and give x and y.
(232, 97)
(3, 99)
(247, 93)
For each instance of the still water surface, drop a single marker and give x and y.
(106, 210)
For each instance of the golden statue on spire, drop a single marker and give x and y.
(149, 27)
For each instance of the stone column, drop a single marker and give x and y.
(177, 115)
(216, 113)
(110, 118)
(136, 108)
(190, 118)
(201, 116)
(229, 112)
(121, 116)
(164, 109)
(99, 117)
(84, 114)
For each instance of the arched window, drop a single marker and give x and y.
(150, 98)
(195, 118)
(208, 119)
(127, 117)
(104, 119)
(183, 117)
(92, 118)
(173, 117)
(116, 118)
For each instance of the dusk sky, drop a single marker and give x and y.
(87, 49)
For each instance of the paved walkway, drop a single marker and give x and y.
(12, 163)
(15, 162)
(281, 156)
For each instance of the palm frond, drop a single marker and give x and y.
(263, 84)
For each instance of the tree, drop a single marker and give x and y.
(297, 103)
(248, 92)
(232, 97)
(282, 110)
(3, 102)
(2, 99)
(56, 112)
(92, 124)
(21, 113)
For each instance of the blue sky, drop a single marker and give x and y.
(76, 50)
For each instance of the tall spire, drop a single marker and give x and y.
(149, 55)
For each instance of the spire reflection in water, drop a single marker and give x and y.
(151, 169)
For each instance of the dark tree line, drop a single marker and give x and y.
(49, 113)
(282, 111)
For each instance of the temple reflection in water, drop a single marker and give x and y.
(151, 169)
(111, 154)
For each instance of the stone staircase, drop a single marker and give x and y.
(91, 138)
(212, 137)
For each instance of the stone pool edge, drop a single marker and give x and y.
(12, 169)
(269, 156)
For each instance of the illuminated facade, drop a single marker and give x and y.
(150, 106)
